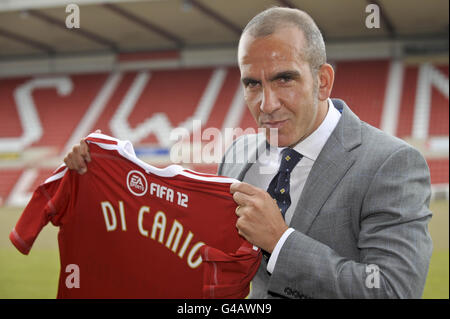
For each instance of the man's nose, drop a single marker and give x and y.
(269, 101)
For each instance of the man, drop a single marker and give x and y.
(344, 213)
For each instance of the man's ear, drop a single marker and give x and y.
(326, 80)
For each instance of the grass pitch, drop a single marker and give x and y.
(36, 275)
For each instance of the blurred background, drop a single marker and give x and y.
(139, 69)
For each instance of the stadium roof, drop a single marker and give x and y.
(33, 28)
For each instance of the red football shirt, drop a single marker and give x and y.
(130, 230)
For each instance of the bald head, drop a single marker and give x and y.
(276, 18)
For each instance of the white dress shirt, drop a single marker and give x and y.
(262, 172)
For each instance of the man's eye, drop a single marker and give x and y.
(285, 79)
(251, 84)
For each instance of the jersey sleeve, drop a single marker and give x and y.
(228, 276)
(48, 203)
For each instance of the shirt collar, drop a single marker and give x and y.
(311, 146)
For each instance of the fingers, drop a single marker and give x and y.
(77, 158)
(241, 223)
(241, 226)
(247, 195)
(237, 210)
(243, 199)
(243, 188)
(243, 193)
(247, 202)
(73, 162)
(259, 220)
(84, 150)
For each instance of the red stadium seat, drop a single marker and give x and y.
(177, 93)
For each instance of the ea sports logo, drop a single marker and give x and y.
(136, 182)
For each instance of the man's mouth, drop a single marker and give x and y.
(273, 124)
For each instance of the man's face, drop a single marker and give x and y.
(279, 89)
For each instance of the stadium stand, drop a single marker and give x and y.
(439, 108)
(7, 182)
(42, 117)
(362, 84)
(405, 121)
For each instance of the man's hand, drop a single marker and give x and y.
(259, 218)
(79, 156)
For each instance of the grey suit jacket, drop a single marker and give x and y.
(365, 203)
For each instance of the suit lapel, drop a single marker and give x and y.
(253, 154)
(333, 162)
